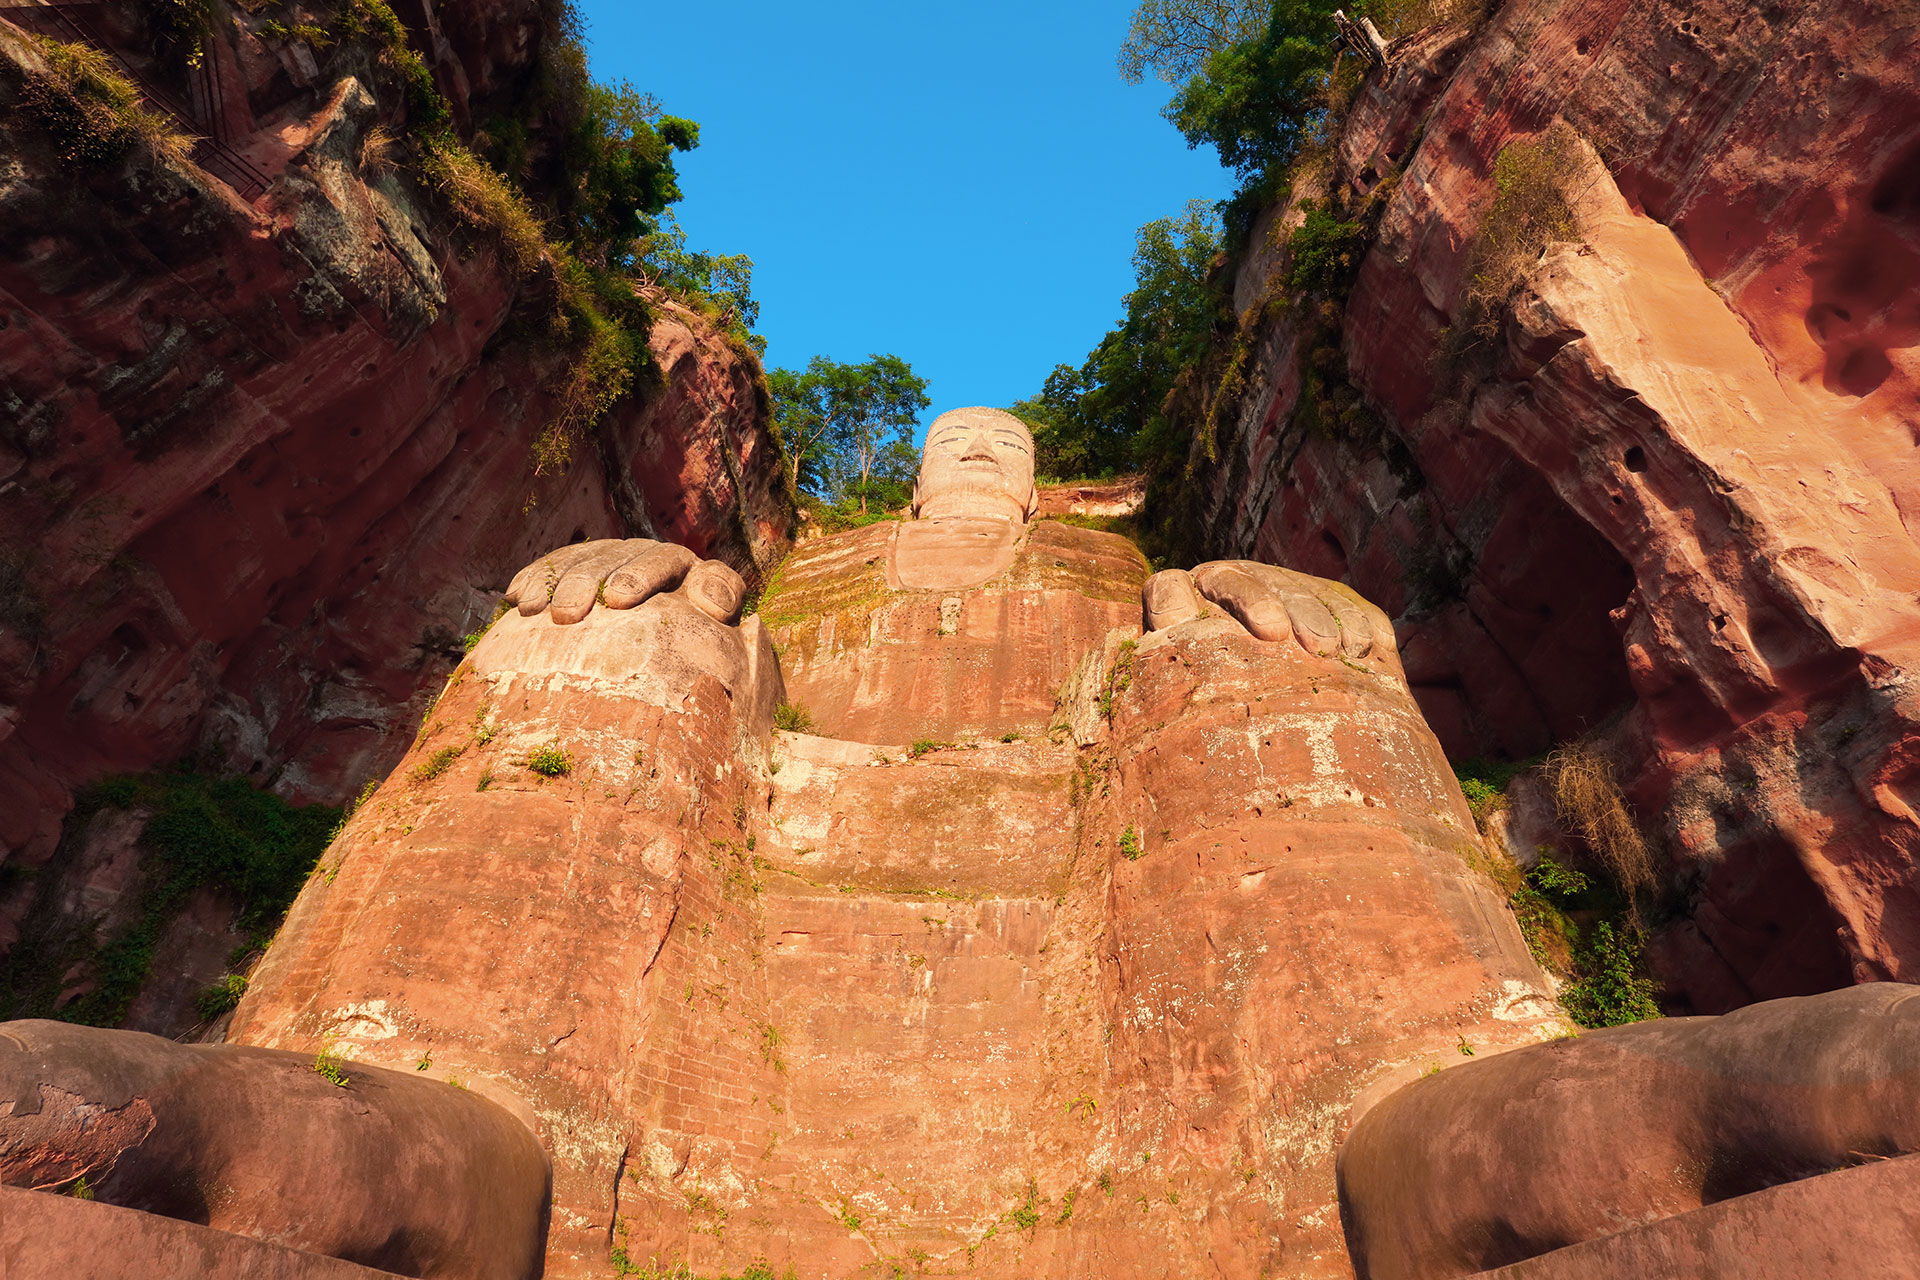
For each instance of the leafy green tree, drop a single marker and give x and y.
(1172, 38)
(800, 412)
(599, 157)
(625, 151)
(1110, 413)
(848, 428)
(1256, 100)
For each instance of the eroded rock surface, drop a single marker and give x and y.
(264, 462)
(1679, 482)
(267, 456)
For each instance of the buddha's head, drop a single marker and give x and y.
(978, 462)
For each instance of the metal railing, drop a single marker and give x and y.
(212, 149)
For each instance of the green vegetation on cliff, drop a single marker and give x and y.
(1265, 85)
(220, 833)
(564, 177)
(1584, 925)
(92, 112)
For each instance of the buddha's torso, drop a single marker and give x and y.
(1050, 950)
(875, 661)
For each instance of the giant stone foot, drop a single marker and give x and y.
(386, 1169)
(1782, 1140)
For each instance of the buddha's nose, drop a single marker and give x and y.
(979, 449)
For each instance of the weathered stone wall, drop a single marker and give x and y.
(1674, 496)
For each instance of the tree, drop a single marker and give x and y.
(1110, 414)
(1256, 100)
(848, 428)
(724, 280)
(1172, 38)
(618, 165)
(1257, 90)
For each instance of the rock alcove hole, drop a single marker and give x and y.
(1636, 459)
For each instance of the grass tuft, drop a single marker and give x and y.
(327, 1065)
(93, 112)
(436, 764)
(550, 760)
(484, 200)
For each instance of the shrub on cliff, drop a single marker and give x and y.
(220, 833)
(91, 111)
(179, 28)
(1583, 926)
(720, 285)
(1534, 185)
(1607, 990)
(1589, 802)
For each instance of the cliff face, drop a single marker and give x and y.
(1673, 492)
(264, 461)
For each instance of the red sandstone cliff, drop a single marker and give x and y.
(265, 453)
(1675, 495)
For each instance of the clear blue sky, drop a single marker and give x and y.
(958, 184)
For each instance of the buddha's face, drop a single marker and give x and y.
(978, 462)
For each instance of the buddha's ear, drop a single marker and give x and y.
(914, 508)
(1033, 503)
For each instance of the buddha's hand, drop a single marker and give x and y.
(668, 618)
(1272, 603)
(620, 573)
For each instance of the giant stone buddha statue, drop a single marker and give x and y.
(1066, 938)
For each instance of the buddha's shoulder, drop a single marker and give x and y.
(828, 572)
(1093, 562)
